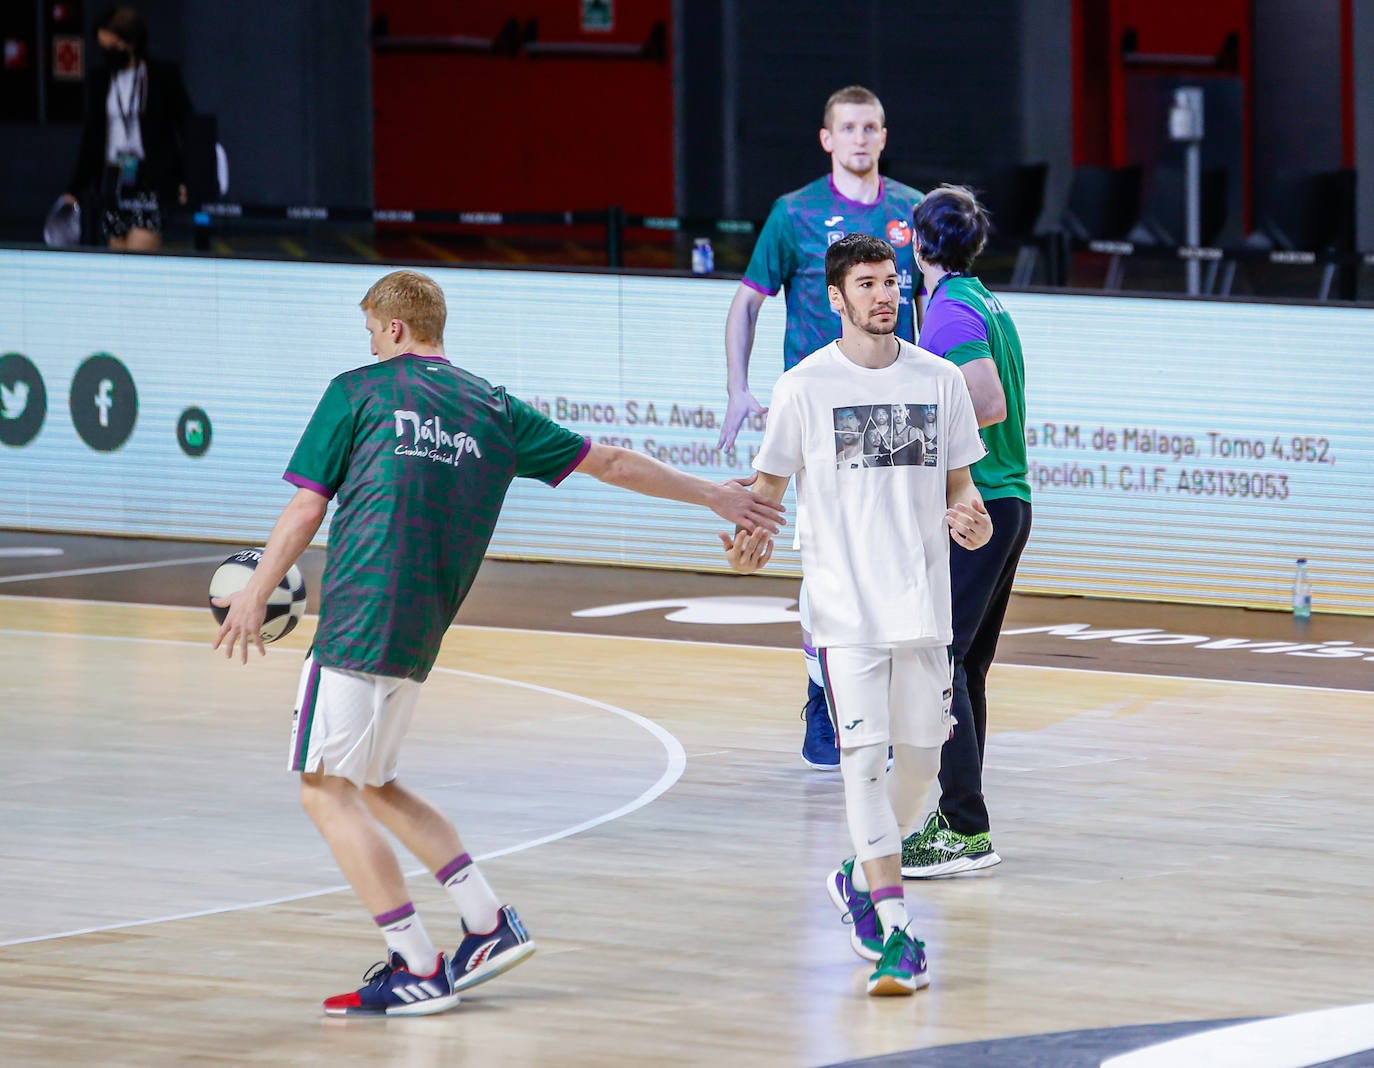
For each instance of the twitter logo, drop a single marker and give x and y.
(13, 400)
(23, 400)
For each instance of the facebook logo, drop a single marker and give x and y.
(103, 402)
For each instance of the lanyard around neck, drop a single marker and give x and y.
(138, 91)
(945, 278)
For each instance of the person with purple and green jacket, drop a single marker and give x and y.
(968, 326)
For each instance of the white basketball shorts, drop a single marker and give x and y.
(350, 723)
(889, 694)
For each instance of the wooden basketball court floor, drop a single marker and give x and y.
(1188, 832)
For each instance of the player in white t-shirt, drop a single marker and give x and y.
(875, 556)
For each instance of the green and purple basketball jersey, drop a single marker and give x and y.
(419, 454)
(790, 254)
(964, 322)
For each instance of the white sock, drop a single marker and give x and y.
(891, 908)
(477, 903)
(858, 878)
(406, 935)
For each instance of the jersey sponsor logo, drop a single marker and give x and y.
(833, 221)
(898, 233)
(832, 236)
(428, 438)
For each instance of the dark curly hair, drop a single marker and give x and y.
(951, 226)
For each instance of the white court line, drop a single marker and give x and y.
(1297, 1041)
(690, 641)
(677, 764)
(24, 553)
(111, 569)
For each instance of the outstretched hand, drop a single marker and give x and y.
(242, 626)
(970, 527)
(747, 551)
(740, 407)
(733, 500)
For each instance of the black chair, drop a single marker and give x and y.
(1104, 206)
(1163, 218)
(1162, 215)
(1104, 203)
(1311, 213)
(1015, 198)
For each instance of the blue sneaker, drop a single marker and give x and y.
(902, 969)
(819, 749)
(857, 911)
(484, 956)
(391, 989)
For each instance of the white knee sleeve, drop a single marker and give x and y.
(913, 773)
(813, 663)
(872, 824)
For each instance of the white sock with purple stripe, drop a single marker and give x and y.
(406, 935)
(477, 903)
(891, 906)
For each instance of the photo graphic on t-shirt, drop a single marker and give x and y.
(915, 435)
(886, 435)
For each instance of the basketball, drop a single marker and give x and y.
(285, 606)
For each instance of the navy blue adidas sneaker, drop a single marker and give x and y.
(392, 989)
(484, 956)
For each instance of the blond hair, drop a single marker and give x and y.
(853, 94)
(412, 297)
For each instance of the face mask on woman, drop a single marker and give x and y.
(117, 58)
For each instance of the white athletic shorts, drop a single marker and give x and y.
(889, 694)
(350, 723)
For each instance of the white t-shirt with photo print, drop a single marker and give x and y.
(871, 509)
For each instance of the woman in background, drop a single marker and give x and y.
(130, 155)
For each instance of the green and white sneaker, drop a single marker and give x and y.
(902, 969)
(938, 849)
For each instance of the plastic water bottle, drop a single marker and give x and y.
(1302, 591)
(703, 256)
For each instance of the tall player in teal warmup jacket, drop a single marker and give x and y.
(790, 254)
